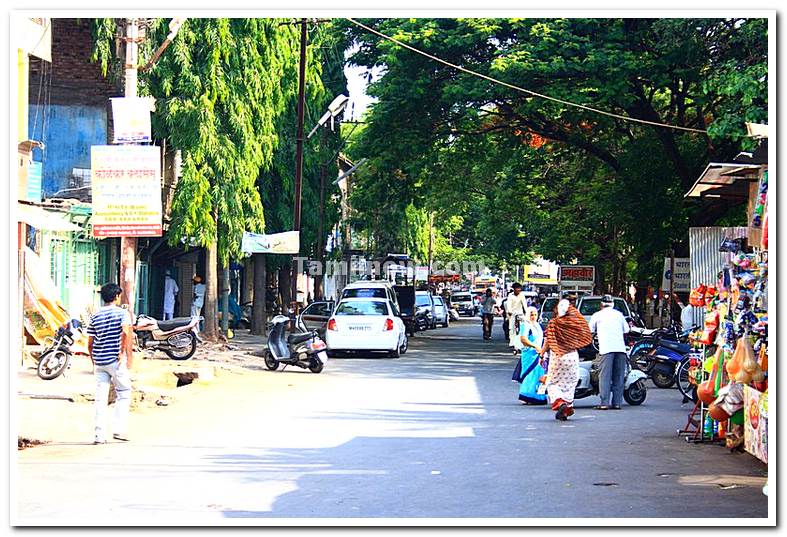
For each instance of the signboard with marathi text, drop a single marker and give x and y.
(577, 274)
(126, 183)
(577, 278)
(681, 277)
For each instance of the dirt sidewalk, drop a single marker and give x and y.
(61, 410)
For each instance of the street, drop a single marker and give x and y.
(436, 433)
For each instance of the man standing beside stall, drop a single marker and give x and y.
(610, 326)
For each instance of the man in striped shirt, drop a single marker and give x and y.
(110, 337)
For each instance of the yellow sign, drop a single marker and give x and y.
(126, 183)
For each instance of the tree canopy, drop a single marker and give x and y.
(527, 174)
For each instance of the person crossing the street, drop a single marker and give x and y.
(109, 344)
(488, 308)
(515, 309)
(566, 332)
(610, 326)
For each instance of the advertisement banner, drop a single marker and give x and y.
(421, 273)
(126, 182)
(755, 428)
(131, 119)
(681, 277)
(278, 243)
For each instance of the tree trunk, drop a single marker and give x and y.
(210, 310)
(247, 291)
(284, 287)
(259, 315)
(225, 298)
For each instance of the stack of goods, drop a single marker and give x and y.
(735, 371)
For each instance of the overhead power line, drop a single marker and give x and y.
(523, 90)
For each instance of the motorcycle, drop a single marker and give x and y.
(634, 391)
(662, 361)
(177, 337)
(305, 349)
(643, 340)
(57, 356)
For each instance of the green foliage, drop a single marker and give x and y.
(531, 175)
(226, 96)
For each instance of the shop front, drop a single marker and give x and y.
(730, 375)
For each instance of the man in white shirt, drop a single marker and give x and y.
(516, 304)
(610, 325)
(170, 291)
(687, 317)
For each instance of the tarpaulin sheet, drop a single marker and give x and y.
(43, 312)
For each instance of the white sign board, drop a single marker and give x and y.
(681, 277)
(126, 184)
(421, 273)
(278, 243)
(131, 119)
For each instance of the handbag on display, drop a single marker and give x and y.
(710, 327)
(697, 296)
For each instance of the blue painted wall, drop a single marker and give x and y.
(67, 133)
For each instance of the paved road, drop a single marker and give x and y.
(436, 433)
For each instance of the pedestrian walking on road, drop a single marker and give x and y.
(488, 308)
(567, 332)
(610, 326)
(532, 338)
(515, 307)
(109, 344)
(170, 291)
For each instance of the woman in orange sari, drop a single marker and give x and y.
(566, 332)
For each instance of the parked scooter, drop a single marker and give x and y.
(305, 349)
(57, 356)
(634, 391)
(177, 337)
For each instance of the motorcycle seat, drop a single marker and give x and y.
(299, 338)
(172, 324)
(676, 346)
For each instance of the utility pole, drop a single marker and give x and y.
(128, 245)
(318, 287)
(671, 281)
(299, 159)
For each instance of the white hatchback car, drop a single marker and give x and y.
(366, 324)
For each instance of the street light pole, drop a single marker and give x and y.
(299, 160)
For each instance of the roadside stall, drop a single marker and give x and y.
(730, 377)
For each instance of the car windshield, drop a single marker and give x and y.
(438, 300)
(589, 306)
(422, 300)
(369, 292)
(548, 309)
(361, 307)
(461, 297)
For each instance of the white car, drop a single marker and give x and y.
(366, 324)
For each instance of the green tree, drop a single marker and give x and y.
(529, 174)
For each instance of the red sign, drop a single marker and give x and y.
(127, 230)
(577, 273)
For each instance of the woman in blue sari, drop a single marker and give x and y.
(531, 335)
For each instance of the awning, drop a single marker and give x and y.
(39, 218)
(725, 180)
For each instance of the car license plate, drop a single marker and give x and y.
(323, 356)
(360, 327)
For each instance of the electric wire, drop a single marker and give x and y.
(523, 90)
